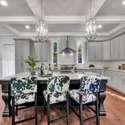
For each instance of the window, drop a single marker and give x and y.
(79, 53)
(55, 53)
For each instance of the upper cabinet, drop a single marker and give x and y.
(115, 49)
(95, 51)
(122, 47)
(91, 51)
(106, 50)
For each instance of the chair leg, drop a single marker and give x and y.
(81, 108)
(97, 113)
(16, 110)
(36, 109)
(67, 110)
(13, 111)
(48, 110)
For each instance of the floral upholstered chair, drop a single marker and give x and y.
(87, 94)
(56, 92)
(23, 92)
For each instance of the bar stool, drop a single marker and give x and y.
(23, 93)
(87, 96)
(56, 94)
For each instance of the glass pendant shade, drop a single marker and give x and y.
(91, 29)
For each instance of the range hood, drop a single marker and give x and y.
(67, 50)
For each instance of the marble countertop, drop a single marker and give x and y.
(73, 76)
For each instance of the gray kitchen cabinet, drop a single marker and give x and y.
(22, 51)
(106, 50)
(115, 46)
(91, 50)
(122, 47)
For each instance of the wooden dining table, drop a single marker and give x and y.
(42, 85)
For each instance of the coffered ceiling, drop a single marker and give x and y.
(63, 16)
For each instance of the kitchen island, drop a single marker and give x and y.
(42, 84)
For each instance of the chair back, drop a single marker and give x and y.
(58, 84)
(21, 87)
(90, 84)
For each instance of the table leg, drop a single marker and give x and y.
(102, 99)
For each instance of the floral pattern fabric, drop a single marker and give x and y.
(57, 89)
(89, 85)
(23, 90)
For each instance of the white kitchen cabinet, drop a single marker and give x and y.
(122, 47)
(98, 49)
(115, 49)
(106, 50)
(116, 80)
(95, 51)
(42, 52)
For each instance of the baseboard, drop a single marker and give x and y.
(116, 90)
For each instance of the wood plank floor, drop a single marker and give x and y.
(114, 105)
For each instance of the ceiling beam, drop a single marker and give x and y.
(97, 4)
(30, 34)
(65, 19)
(60, 19)
(17, 19)
(36, 7)
(111, 19)
(13, 30)
(118, 30)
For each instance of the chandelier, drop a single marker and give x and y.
(90, 26)
(91, 29)
(41, 31)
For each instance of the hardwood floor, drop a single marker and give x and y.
(114, 105)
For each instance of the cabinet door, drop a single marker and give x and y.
(22, 51)
(98, 50)
(115, 46)
(91, 48)
(122, 47)
(106, 50)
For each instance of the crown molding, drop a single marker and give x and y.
(36, 7)
(17, 19)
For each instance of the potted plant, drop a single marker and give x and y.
(32, 63)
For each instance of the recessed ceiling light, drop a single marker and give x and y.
(27, 26)
(99, 26)
(123, 2)
(3, 3)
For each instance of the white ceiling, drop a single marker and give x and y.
(66, 7)
(112, 8)
(16, 8)
(62, 16)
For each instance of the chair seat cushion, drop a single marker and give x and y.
(24, 98)
(54, 97)
(86, 98)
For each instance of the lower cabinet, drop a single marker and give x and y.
(116, 80)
